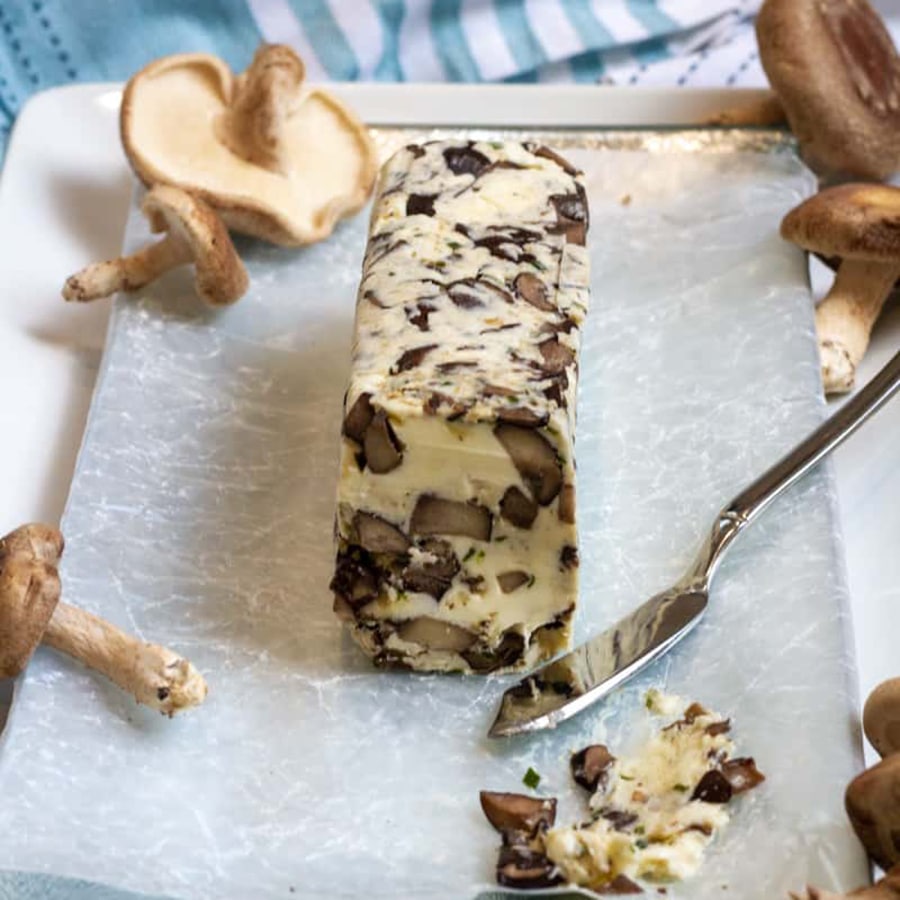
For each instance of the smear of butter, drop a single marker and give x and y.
(648, 822)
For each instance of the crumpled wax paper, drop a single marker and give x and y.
(201, 516)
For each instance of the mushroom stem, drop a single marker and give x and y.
(844, 319)
(154, 675)
(127, 273)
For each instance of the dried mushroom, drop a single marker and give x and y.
(194, 234)
(856, 223)
(837, 75)
(881, 717)
(275, 158)
(31, 613)
(872, 801)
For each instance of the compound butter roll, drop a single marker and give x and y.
(456, 539)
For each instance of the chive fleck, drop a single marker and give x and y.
(627, 777)
(497, 145)
(641, 843)
(531, 779)
(531, 581)
(538, 265)
(683, 788)
(471, 552)
(639, 830)
(479, 556)
(500, 539)
(454, 245)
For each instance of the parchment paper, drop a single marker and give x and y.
(201, 516)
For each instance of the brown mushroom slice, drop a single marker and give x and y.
(358, 418)
(526, 869)
(489, 659)
(532, 290)
(521, 415)
(517, 509)
(435, 515)
(590, 766)
(354, 582)
(837, 74)
(566, 507)
(742, 774)
(881, 717)
(513, 580)
(433, 577)
(872, 801)
(517, 812)
(194, 234)
(534, 458)
(378, 535)
(858, 223)
(281, 161)
(380, 444)
(713, 787)
(557, 357)
(435, 634)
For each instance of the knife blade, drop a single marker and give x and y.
(564, 687)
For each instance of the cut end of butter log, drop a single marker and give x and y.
(456, 538)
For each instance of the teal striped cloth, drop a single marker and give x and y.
(50, 42)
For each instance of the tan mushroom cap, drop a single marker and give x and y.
(852, 221)
(837, 73)
(274, 158)
(29, 593)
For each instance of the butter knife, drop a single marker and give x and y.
(570, 684)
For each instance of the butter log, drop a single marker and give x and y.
(456, 538)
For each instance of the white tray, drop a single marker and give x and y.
(840, 874)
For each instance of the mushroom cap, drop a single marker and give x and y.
(872, 801)
(29, 592)
(219, 273)
(169, 117)
(881, 717)
(837, 73)
(851, 221)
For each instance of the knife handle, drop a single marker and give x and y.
(747, 505)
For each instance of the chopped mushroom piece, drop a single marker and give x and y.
(517, 812)
(194, 234)
(435, 515)
(873, 807)
(837, 74)
(31, 613)
(858, 224)
(881, 717)
(274, 157)
(590, 766)
(655, 812)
